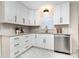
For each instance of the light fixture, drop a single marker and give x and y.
(46, 10)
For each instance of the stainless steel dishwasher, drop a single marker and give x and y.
(62, 43)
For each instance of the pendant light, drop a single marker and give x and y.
(46, 10)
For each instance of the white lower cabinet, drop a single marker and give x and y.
(45, 41)
(39, 42)
(19, 44)
(49, 43)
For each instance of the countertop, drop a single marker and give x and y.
(34, 33)
(28, 34)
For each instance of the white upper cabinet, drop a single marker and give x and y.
(13, 12)
(9, 11)
(62, 14)
(19, 14)
(65, 13)
(56, 15)
(25, 16)
(33, 17)
(22, 14)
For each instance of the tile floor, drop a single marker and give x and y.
(35, 52)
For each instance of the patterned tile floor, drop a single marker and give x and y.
(44, 53)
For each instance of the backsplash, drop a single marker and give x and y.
(9, 29)
(62, 29)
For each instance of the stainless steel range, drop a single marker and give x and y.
(62, 43)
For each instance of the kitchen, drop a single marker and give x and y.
(44, 25)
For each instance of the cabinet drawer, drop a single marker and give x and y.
(24, 38)
(14, 43)
(16, 53)
(25, 47)
(14, 39)
(15, 47)
(27, 42)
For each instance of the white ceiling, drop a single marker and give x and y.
(38, 4)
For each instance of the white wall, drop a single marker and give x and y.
(9, 29)
(73, 27)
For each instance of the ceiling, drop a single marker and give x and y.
(38, 4)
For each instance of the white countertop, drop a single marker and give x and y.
(34, 33)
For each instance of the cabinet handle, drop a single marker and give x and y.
(29, 21)
(15, 18)
(16, 45)
(26, 46)
(35, 36)
(34, 22)
(23, 20)
(26, 36)
(16, 52)
(44, 41)
(61, 19)
(16, 38)
(26, 40)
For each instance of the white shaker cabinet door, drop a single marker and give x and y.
(57, 15)
(32, 39)
(10, 12)
(19, 14)
(49, 44)
(34, 17)
(30, 17)
(39, 42)
(25, 17)
(65, 13)
(62, 14)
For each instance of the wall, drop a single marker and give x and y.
(78, 27)
(65, 28)
(73, 27)
(9, 29)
